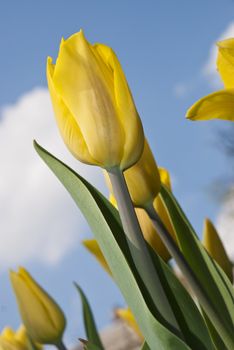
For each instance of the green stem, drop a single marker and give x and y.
(61, 346)
(189, 274)
(138, 247)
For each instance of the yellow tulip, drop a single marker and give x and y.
(10, 340)
(148, 230)
(127, 316)
(215, 248)
(93, 105)
(219, 104)
(143, 178)
(150, 234)
(160, 207)
(41, 315)
(93, 248)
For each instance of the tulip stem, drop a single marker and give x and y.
(188, 273)
(61, 346)
(138, 247)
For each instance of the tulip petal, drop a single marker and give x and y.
(93, 248)
(42, 317)
(126, 108)
(218, 105)
(68, 127)
(225, 62)
(165, 177)
(215, 248)
(83, 82)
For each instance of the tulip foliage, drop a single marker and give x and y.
(143, 226)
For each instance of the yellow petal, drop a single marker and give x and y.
(218, 105)
(165, 177)
(126, 109)
(225, 62)
(84, 83)
(42, 317)
(127, 316)
(93, 248)
(143, 179)
(215, 248)
(151, 235)
(67, 124)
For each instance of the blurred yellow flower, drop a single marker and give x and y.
(215, 248)
(41, 315)
(93, 104)
(93, 248)
(10, 340)
(127, 316)
(219, 104)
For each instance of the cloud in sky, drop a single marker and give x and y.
(225, 225)
(209, 69)
(38, 219)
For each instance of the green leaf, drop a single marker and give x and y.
(89, 323)
(211, 277)
(145, 346)
(104, 222)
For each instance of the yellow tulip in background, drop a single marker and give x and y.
(219, 104)
(215, 248)
(127, 316)
(143, 178)
(93, 105)
(92, 246)
(41, 315)
(10, 340)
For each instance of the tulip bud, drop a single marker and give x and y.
(143, 179)
(127, 316)
(215, 248)
(159, 205)
(41, 315)
(10, 340)
(93, 104)
(93, 248)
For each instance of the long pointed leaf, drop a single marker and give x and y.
(211, 277)
(90, 325)
(97, 211)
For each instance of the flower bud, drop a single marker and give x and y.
(215, 248)
(41, 315)
(143, 179)
(93, 104)
(10, 340)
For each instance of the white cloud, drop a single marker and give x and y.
(38, 220)
(209, 69)
(225, 225)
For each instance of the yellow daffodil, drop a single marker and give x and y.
(215, 248)
(10, 340)
(127, 316)
(41, 315)
(93, 248)
(94, 108)
(219, 104)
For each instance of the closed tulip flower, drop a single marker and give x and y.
(127, 316)
(219, 104)
(41, 315)
(215, 248)
(10, 340)
(93, 105)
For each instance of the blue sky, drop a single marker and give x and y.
(165, 50)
